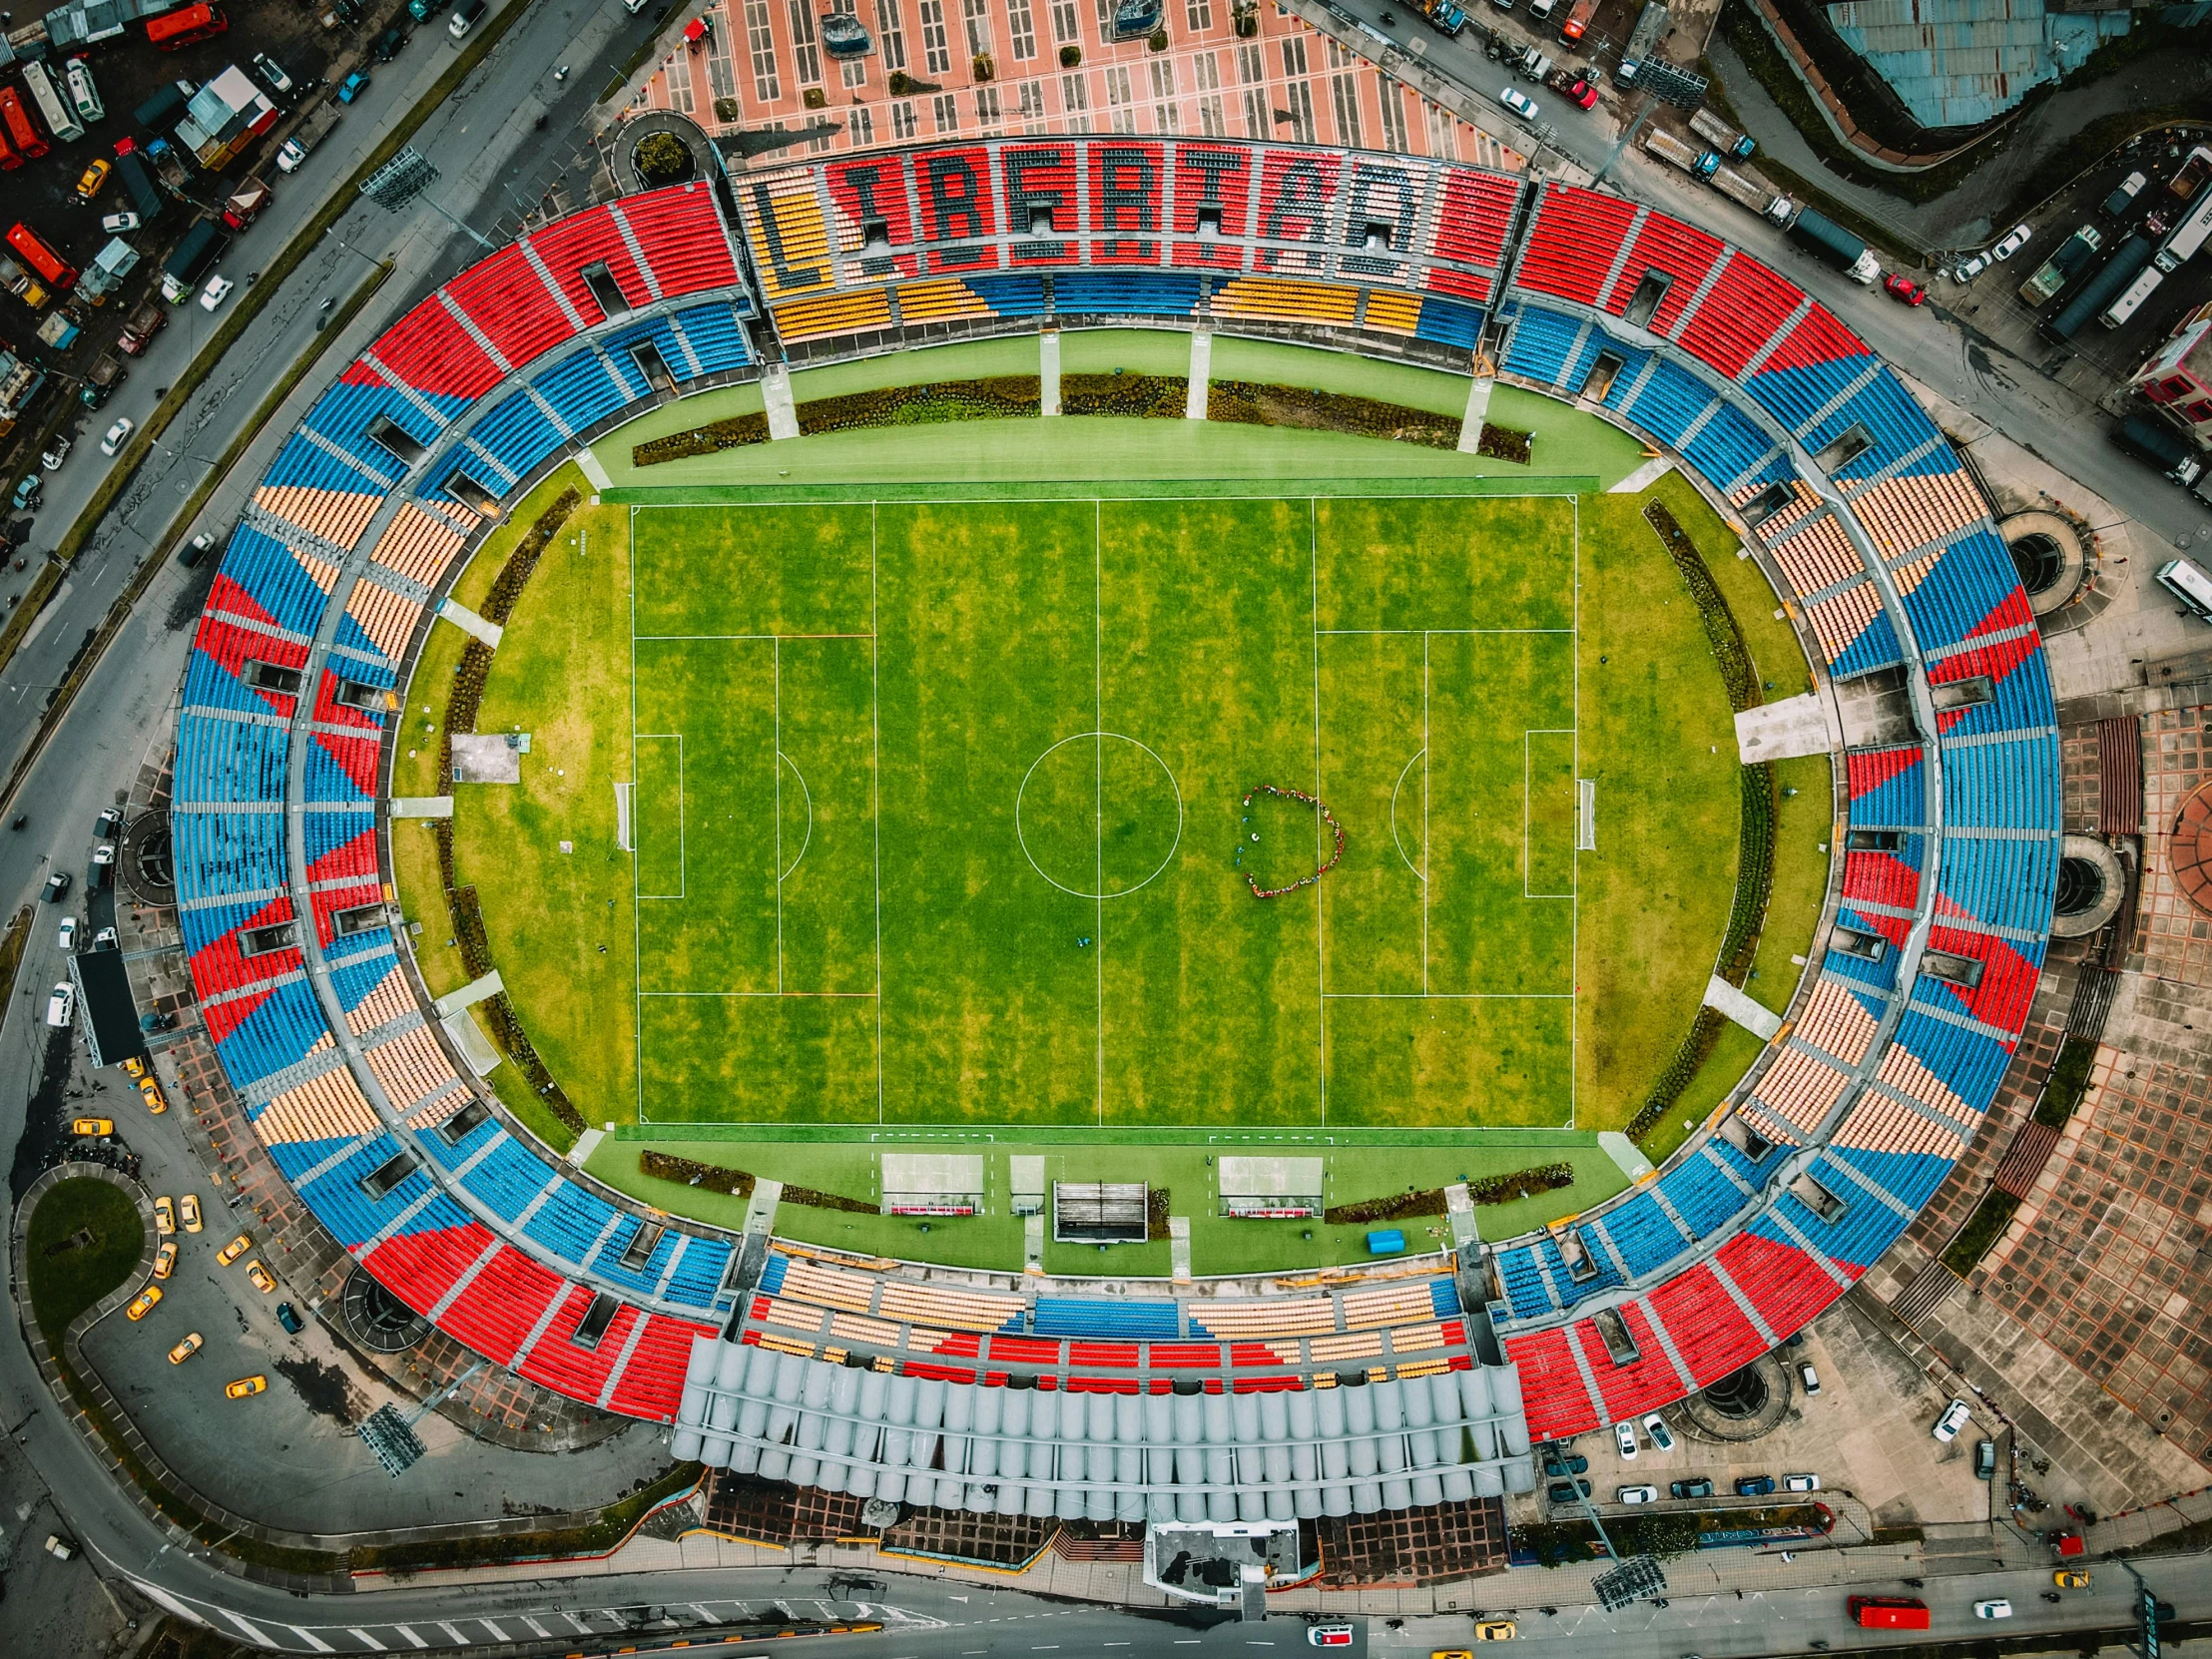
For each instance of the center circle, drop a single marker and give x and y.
(1098, 814)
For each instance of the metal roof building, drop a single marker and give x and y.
(1959, 63)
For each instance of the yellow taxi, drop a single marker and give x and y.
(246, 1386)
(94, 178)
(189, 1206)
(132, 1066)
(165, 1214)
(164, 1260)
(153, 1094)
(92, 1126)
(234, 1249)
(143, 1302)
(2070, 1578)
(184, 1350)
(262, 1282)
(1496, 1630)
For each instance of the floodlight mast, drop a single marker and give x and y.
(409, 174)
(1636, 1579)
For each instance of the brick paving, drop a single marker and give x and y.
(2174, 938)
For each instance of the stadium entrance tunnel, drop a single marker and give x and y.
(2092, 883)
(377, 1319)
(1746, 1405)
(2049, 555)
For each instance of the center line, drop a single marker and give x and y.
(1320, 947)
(1098, 786)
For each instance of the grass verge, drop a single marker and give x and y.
(596, 1537)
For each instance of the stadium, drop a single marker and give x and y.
(1046, 818)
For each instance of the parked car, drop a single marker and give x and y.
(55, 453)
(27, 490)
(115, 224)
(118, 436)
(218, 289)
(1985, 1459)
(1755, 1485)
(56, 886)
(271, 72)
(1624, 1436)
(386, 46)
(2012, 245)
(105, 939)
(69, 933)
(2070, 1578)
(91, 1128)
(1558, 1467)
(164, 1215)
(1496, 1630)
(288, 1318)
(246, 1386)
(1965, 270)
(59, 1006)
(164, 1260)
(1801, 1482)
(144, 1302)
(1567, 1491)
(186, 1348)
(1692, 1488)
(1903, 289)
(1955, 1416)
(234, 1249)
(1637, 1495)
(1329, 1635)
(1662, 1437)
(1810, 1378)
(1519, 102)
(351, 88)
(259, 1275)
(94, 178)
(194, 550)
(150, 1091)
(188, 1207)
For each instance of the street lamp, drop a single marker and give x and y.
(406, 176)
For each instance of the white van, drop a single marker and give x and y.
(464, 17)
(2186, 582)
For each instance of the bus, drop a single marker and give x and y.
(24, 138)
(180, 28)
(1889, 1612)
(2186, 581)
(2137, 291)
(58, 272)
(59, 114)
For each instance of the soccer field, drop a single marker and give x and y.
(939, 814)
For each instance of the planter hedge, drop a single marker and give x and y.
(734, 433)
(1403, 1206)
(1505, 443)
(1002, 398)
(1155, 1214)
(829, 1201)
(686, 1172)
(1131, 397)
(1982, 1230)
(1244, 402)
(1522, 1183)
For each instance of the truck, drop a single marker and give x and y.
(144, 323)
(147, 200)
(59, 114)
(308, 135)
(1443, 15)
(2185, 184)
(1887, 1612)
(181, 272)
(2186, 238)
(2131, 296)
(246, 201)
(1576, 23)
(169, 163)
(21, 283)
(1720, 136)
(1747, 190)
(165, 109)
(84, 92)
(1698, 164)
(60, 331)
(2152, 440)
(1833, 246)
(2057, 271)
(2125, 265)
(106, 373)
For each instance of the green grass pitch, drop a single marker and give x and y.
(937, 811)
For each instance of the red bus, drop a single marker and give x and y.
(9, 160)
(24, 136)
(57, 270)
(1889, 1612)
(180, 28)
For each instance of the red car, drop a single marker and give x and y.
(1583, 94)
(1903, 289)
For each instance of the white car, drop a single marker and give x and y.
(1810, 1378)
(289, 156)
(115, 224)
(103, 939)
(1996, 1610)
(118, 436)
(1519, 102)
(218, 289)
(59, 1005)
(69, 933)
(1661, 1436)
(1955, 1416)
(1801, 1482)
(1637, 1495)
(1967, 270)
(52, 460)
(1624, 1436)
(271, 72)
(2012, 245)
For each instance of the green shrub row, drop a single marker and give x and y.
(1729, 650)
(1247, 404)
(1754, 872)
(1505, 443)
(1403, 1206)
(1000, 398)
(1155, 1214)
(829, 1201)
(2068, 1083)
(1131, 397)
(1982, 1230)
(734, 433)
(1522, 1183)
(686, 1172)
(1689, 1054)
(506, 587)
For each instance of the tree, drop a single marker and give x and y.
(664, 158)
